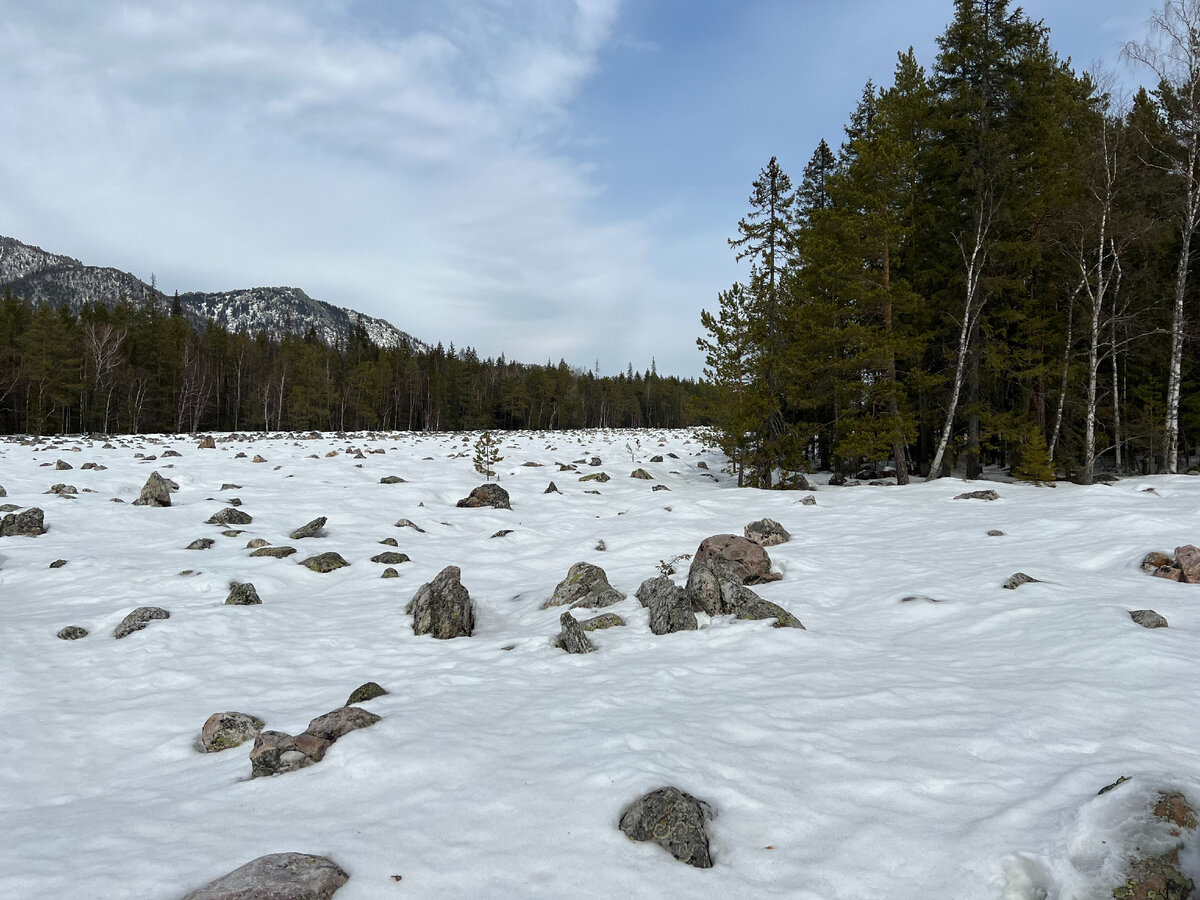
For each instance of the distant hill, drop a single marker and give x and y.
(43, 277)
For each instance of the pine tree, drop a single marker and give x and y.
(487, 455)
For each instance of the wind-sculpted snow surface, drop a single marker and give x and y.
(947, 750)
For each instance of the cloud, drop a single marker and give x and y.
(406, 162)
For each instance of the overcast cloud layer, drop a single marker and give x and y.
(543, 179)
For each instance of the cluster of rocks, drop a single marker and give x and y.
(1184, 566)
(276, 752)
(28, 523)
(1159, 876)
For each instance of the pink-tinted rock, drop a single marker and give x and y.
(750, 561)
(334, 725)
(279, 876)
(1187, 558)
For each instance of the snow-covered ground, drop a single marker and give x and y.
(919, 749)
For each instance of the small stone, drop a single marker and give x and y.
(660, 487)
(571, 638)
(641, 474)
(1148, 618)
(601, 546)
(810, 500)
(312, 529)
(200, 544)
(552, 489)
(58, 564)
(365, 692)
(1109, 787)
(390, 558)
(279, 876)
(1187, 558)
(995, 532)
(1018, 579)
(255, 543)
(258, 459)
(673, 820)
(1174, 808)
(230, 516)
(323, 562)
(242, 594)
(228, 729)
(656, 458)
(389, 572)
(232, 532)
(275, 552)
(139, 619)
(978, 495)
(72, 633)
(502, 533)
(275, 753)
(408, 523)
(391, 479)
(1155, 560)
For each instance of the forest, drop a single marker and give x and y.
(145, 369)
(994, 267)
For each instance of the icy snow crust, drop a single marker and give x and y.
(892, 750)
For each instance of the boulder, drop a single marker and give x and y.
(322, 562)
(391, 479)
(442, 607)
(642, 474)
(673, 820)
(751, 561)
(599, 477)
(713, 586)
(200, 544)
(486, 495)
(1017, 579)
(808, 501)
(3, 492)
(340, 722)
(242, 594)
(751, 606)
(62, 465)
(391, 542)
(602, 621)
(552, 488)
(1187, 558)
(978, 495)
(274, 552)
(58, 564)
(29, 523)
(279, 876)
(207, 443)
(571, 638)
(390, 558)
(408, 523)
(139, 619)
(230, 516)
(255, 543)
(365, 692)
(275, 752)
(670, 608)
(228, 729)
(389, 572)
(586, 585)
(155, 492)
(656, 458)
(1148, 618)
(312, 529)
(766, 533)
(72, 633)
(64, 490)
(1155, 560)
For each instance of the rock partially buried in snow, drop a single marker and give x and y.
(766, 533)
(978, 495)
(364, 692)
(1017, 579)
(200, 544)
(391, 479)
(230, 515)
(275, 552)
(443, 607)
(322, 562)
(29, 523)
(602, 621)
(228, 729)
(155, 492)
(599, 477)
(1148, 618)
(312, 529)
(642, 474)
(242, 594)
(486, 495)
(1187, 558)
(751, 561)
(571, 638)
(341, 722)
(139, 619)
(673, 820)
(279, 876)
(670, 609)
(390, 557)
(586, 585)
(275, 753)
(72, 633)
(408, 523)
(552, 488)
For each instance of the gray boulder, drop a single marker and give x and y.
(572, 638)
(228, 729)
(58, 564)
(670, 609)
(29, 523)
(365, 692)
(322, 562)
(200, 544)
(139, 619)
(279, 876)
(1017, 579)
(391, 479)
(766, 533)
(642, 474)
(978, 495)
(3, 492)
(598, 477)
(62, 465)
(552, 488)
(442, 607)
(274, 552)
(340, 722)
(408, 523)
(1148, 618)
(486, 495)
(751, 606)
(312, 529)
(275, 753)
(155, 492)
(242, 594)
(751, 561)
(586, 585)
(390, 558)
(72, 633)
(230, 516)
(673, 820)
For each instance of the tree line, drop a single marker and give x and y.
(994, 267)
(144, 368)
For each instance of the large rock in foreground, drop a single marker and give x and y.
(670, 609)
(29, 523)
(155, 492)
(673, 820)
(228, 729)
(279, 876)
(586, 585)
(442, 607)
(751, 561)
(486, 495)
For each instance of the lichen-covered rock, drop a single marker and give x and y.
(275, 552)
(62, 465)
(312, 529)
(365, 692)
(279, 876)
(642, 474)
(670, 608)
(155, 492)
(230, 516)
(242, 594)
(978, 495)
(3, 492)
(275, 752)
(390, 557)
(572, 638)
(673, 820)
(486, 495)
(322, 562)
(228, 729)
(442, 607)
(1155, 878)
(1155, 560)
(1148, 618)
(72, 633)
(602, 621)
(200, 544)
(391, 479)
(29, 523)
(255, 543)
(586, 585)
(1187, 558)
(1017, 579)
(139, 619)
(340, 722)
(599, 477)
(751, 606)
(389, 572)
(766, 533)
(751, 561)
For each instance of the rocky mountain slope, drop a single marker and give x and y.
(44, 277)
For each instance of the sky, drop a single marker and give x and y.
(547, 179)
